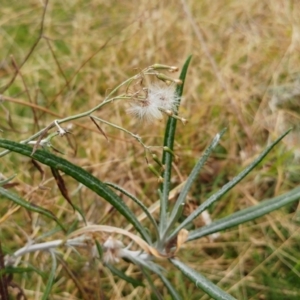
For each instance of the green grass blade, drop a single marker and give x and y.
(21, 270)
(172, 292)
(156, 294)
(29, 206)
(80, 175)
(15, 270)
(167, 156)
(51, 277)
(148, 264)
(138, 202)
(202, 282)
(135, 283)
(99, 249)
(228, 186)
(176, 212)
(5, 181)
(247, 214)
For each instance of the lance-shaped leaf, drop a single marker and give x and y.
(138, 202)
(228, 186)
(176, 212)
(247, 214)
(6, 181)
(172, 291)
(135, 283)
(29, 206)
(80, 175)
(202, 282)
(51, 277)
(167, 156)
(3, 278)
(150, 265)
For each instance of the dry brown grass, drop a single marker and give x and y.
(240, 50)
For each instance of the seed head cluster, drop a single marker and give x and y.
(158, 99)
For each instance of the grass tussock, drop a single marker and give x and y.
(245, 62)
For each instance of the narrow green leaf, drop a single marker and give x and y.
(176, 212)
(29, 206)
(172, 291)
(150, 265)
(80, 175)
(135, 283)
(202, 282)
(167, 156)
(3, 278)
(153, 287)
(247, 214)
(138, 202)
(228, 186)
(5, 181)
(99, 249)
(51, 277)
(21, 270)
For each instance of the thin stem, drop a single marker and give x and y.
(135, 136)
(46, 246)
(107, 100)
(67, 119)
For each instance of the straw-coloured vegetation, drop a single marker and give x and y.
(146, 150)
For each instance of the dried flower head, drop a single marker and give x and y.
(112, 249)
(159, 98)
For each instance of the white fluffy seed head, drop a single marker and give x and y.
(159, 98)
(146, 110)
(164, 96)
